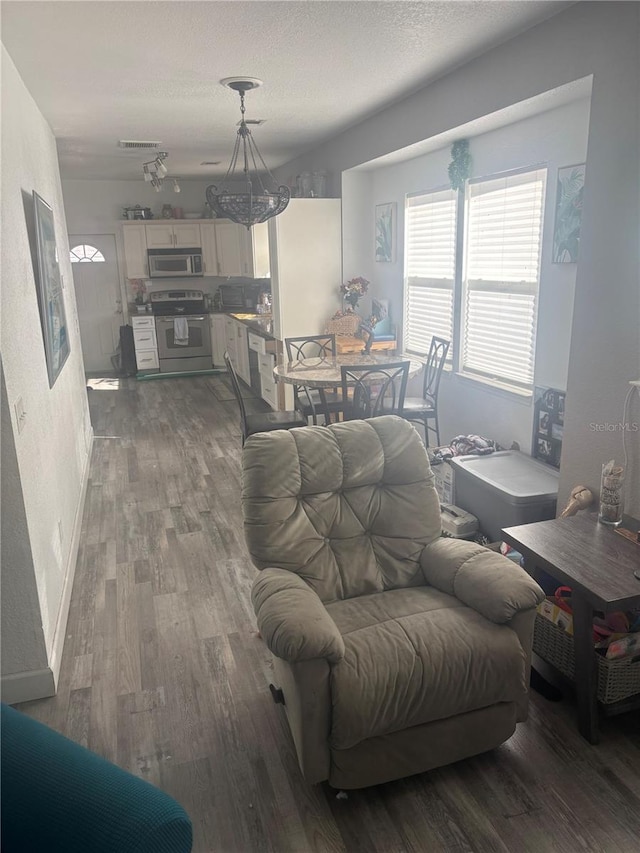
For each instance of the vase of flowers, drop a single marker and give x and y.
(139, 289)
(352, 290)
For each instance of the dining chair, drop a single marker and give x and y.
(374, 389)
(263, 421)
(425, 408)
(312, 402)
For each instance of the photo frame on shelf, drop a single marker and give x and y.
(53, 318)
(385, 227)
(566, 231)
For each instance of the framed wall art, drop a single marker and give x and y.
(566, 232)
(385, 231)
(53, 319)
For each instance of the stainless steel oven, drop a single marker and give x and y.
(182, 330)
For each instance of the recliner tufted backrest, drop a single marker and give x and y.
(348, 507)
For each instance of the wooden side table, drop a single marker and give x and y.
(345, 344)
(598, 564)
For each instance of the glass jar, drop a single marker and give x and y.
(319, 184)
(305, 185)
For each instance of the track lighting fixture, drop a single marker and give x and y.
(155, 170)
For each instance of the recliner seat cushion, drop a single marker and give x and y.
(438, 659)
(348, 507)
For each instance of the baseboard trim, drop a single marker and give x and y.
(57, 646)
(25, 686)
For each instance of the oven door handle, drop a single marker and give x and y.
(186, 316)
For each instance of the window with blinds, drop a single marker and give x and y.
(502, 265)
(430, 257)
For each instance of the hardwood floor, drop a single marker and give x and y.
(164, 674)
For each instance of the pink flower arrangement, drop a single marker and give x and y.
(353, 289)
(139, 288)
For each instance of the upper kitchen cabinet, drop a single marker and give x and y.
(305, 251)
(173, 235)
(240, 252)
(135, 249)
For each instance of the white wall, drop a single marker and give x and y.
(555, 138)
(599, 39)
(52, 449)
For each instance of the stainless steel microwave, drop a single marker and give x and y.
(174, 263)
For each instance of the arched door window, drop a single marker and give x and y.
(86, 255)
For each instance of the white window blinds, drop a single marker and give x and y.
(504, 234)
(430, 229)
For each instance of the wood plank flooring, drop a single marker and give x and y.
(164, 674)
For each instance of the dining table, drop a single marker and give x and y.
(325, 372)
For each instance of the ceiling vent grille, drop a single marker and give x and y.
(137, 144)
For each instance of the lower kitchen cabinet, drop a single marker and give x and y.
(146, 344)
(242, 353)
(218, 339)
(268, 384)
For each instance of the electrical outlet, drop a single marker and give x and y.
(21, 415)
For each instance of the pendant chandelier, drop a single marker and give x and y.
(243, 198)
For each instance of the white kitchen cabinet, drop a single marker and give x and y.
(305, 253)
(135, 249)
(173, 235)
(218, 338)
(237, 344)
(209, 249)
(267, 361)
(242, 252)
(230, 338)
(242, 353)
(145, 344)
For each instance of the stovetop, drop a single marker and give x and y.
(165, 302)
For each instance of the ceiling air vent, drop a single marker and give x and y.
(137, 144)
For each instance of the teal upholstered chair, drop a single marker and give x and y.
(58, 797)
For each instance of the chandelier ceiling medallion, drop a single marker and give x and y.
(243, 198)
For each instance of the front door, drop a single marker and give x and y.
(97, 284)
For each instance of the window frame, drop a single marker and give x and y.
(407, 280)
(498, 381)
(455, 361)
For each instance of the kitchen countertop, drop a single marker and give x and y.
(261, 324)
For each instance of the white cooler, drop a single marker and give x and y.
(504, 489)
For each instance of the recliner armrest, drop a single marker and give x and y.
(482, 579)
(293, 621)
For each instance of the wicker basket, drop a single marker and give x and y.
(345, 326)
(617, 679)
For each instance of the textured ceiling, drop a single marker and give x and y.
(103, 71)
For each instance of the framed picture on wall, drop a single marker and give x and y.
(385, 231)
(566, 232)
(49, 287)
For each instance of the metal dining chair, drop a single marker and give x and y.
(263, 421)
(425, 408)
(312, 402)
(374, 389)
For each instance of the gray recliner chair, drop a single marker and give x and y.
(396, 650)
